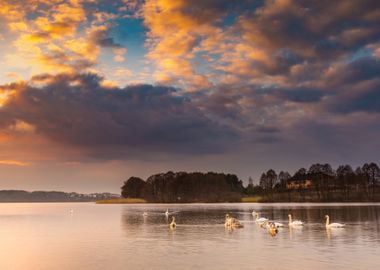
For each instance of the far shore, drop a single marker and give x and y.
(139, 200)
(254, 199)
(122, 201)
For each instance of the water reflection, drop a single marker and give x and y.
(47, 236)
(201, 227)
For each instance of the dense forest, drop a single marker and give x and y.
(185, 187)
(319, 183)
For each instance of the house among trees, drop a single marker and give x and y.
(299, 184)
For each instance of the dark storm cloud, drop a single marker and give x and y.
(368, 101)
(354, 87)
(76, 110)
(362, 69)
(228, 101)
(313, 32)
(366, 98)
(298, 95)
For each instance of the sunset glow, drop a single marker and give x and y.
(134, 87)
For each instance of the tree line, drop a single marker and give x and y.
(185, 187)
(327, 184)
(324, 184)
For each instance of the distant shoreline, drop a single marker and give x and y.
(243, 201)
(189, 203)
(20, 202)
(22, 196)
(122, 201)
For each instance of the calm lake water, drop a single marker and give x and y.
(50, 236)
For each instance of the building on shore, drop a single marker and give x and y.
(299, 184)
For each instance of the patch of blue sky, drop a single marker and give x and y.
(131, 33)
(360, 53)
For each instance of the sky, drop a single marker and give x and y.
(95, 91)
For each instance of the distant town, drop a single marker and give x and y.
(52, 196)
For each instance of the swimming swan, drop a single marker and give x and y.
(172, 225)
(227, 221)
(333, 225)
(272, 228)
(231, 222)
(260, 220)
(295, 223)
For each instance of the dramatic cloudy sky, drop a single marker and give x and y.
(94, 91)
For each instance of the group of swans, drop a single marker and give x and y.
(292, 223)
(271, 226)
(264, 221)
(172, 225)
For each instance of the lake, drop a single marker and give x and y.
(55, 236)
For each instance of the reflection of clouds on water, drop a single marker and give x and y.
(199, 241)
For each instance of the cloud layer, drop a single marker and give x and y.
(75, 110)
(118, 79)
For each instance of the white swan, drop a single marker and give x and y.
(231, 222)
(295, 223)
(167, 213)
(333, 225)
(260, 220)
(172, 225)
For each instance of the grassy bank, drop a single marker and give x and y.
(253, 199)
(121, 201)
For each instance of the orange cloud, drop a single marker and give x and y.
(5, 94)
(8, 162)
(51, 41)
(173, 36)
(11, 11)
